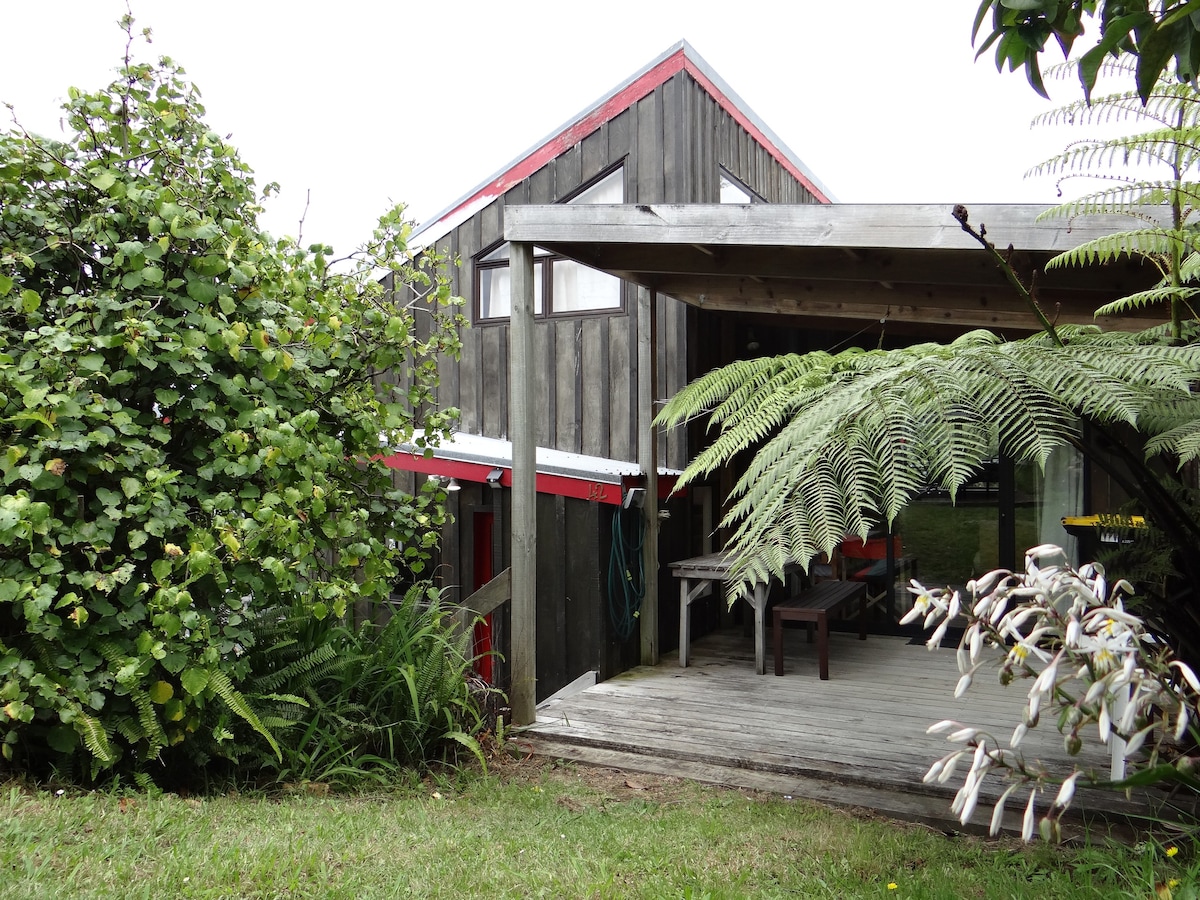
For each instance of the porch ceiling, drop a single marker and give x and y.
(905, 263)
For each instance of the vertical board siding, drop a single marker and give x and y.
(673, 140)
(568, 173)
(492, 339)
(622, 383)
(546, 389)
(567, 337)
(585, 606)
(594, 386)
(594, 154)
(650, 148)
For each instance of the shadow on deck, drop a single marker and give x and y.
(856, 740)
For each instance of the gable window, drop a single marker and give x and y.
(733, 191)
(560, 286)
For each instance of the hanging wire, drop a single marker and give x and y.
(626, 572)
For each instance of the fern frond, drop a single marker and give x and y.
(1143, 299)
(95, 738)
(220, 684)
(1182, 442)
(300, 673)
(1144, 242)
(854, 438)
(151, 728)
(1144, 200)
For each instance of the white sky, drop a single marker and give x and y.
(361, 104)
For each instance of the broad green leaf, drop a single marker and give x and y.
(194, 681)
(104, 180)
(161, 692)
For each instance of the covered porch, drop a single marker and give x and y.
(856, 740)
(912, 269)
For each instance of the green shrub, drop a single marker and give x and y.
(190, 418)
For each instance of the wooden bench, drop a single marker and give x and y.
(815, 606)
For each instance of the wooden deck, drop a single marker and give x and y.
(856, 740)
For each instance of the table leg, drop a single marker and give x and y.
(759, 602)
(823, 645)
(685, 621)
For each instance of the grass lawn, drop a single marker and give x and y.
(529, 829)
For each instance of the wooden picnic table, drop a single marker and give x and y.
(701, 574)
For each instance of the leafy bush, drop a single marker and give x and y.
(191, 414)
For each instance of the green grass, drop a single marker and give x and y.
(534, 831)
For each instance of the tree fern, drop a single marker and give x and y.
(1164, 205)
(847, 440)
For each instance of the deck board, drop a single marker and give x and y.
(860, 736)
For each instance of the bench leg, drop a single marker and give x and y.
(823, 644)
(778, 642)
(862, 617)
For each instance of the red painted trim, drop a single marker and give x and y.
(609, 110)
(447, 468)
(562, 485)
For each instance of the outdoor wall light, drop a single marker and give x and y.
(450, 484)
(494, 476)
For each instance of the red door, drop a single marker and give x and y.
(483, 574)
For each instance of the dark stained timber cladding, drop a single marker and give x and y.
(622, 144)
(545, 389)
(550, 617)
(650, 148)
(594, 386)
(673, 349)
(541, 186)
(585, 607)
(595, 153)
(674, 163)
(568, 172)
(491, 223)
(622, 339)
(568, 335)
(494, 339)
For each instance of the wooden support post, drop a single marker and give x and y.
(524, 488)
(647, 368)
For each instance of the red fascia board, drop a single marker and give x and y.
(447, 468)
(609, 110)
(562, 485)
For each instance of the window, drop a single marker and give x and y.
(560, 286)
(733, 191)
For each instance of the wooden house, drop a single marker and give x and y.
(672, 133)
(664, 231)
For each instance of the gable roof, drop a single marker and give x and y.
(680, 57)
